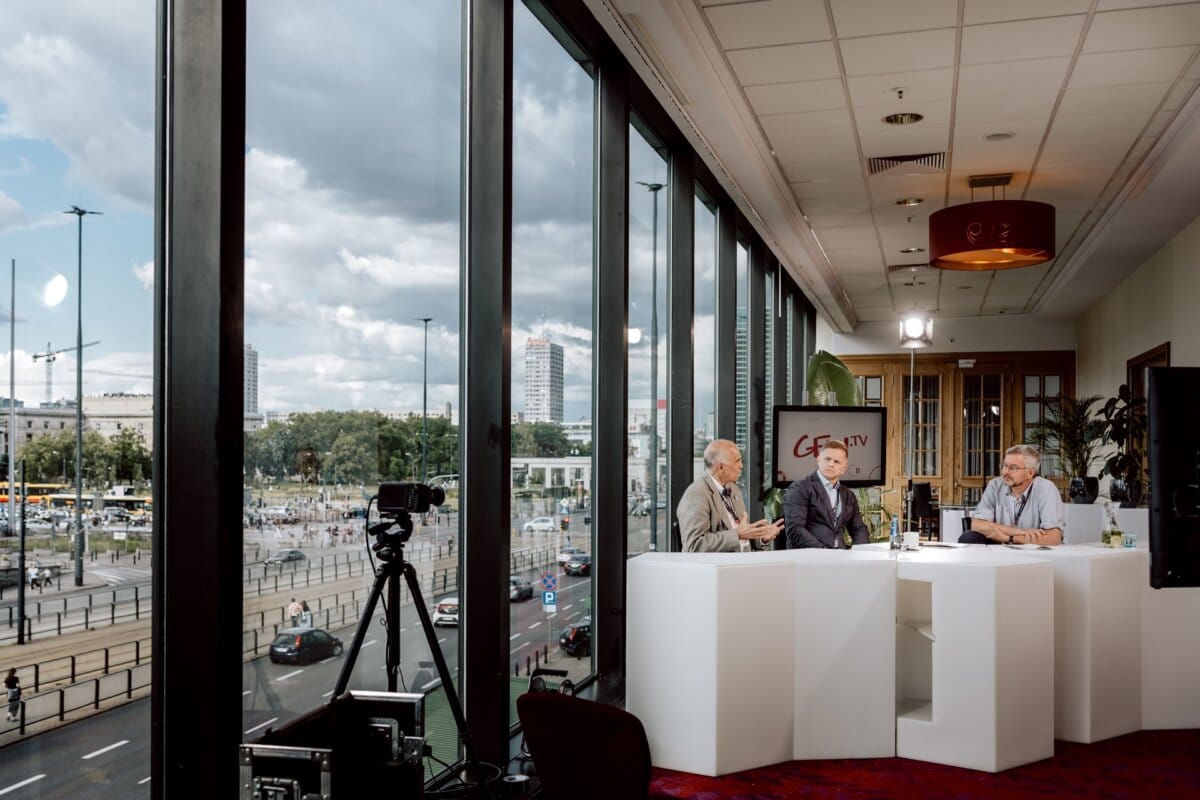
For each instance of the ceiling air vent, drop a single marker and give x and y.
(922, 162)
(919, 267)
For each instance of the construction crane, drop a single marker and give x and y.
(51, 356)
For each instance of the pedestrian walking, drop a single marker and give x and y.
(306, 617)
(293, 610)
(12, 687)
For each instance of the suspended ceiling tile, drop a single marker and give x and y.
(1164, 26)
(1179, 94)
(1029, 76)
(1128, 99)
(820, 220)
(872, 17)
(1116, 5)
(790, 147)
(919, 87)
(892, 185)
(862, 284)
(870, 122)
(1130, 66)
(901, 52)
(808, 124)
(855, 259)
(989, 162)
(982, 11)
(858, 239)
(820, 169)
(849, 189)
(832, 205)
(792, 62)
(784, 98)
(906, 142)
(769, 22)
(1193, 72)
(1018, 41)
(996, 110)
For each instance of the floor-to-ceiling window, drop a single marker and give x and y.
(742, 347)
(647, 490)
(351, 347)
(551, 534)
(704, 330)
(77, 258)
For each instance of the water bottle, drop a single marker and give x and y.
(894, 537)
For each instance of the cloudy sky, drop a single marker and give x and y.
(352, 200)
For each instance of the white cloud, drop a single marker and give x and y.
(145, 274)
(11, 213)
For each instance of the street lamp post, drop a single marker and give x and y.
(79, 540)
(654, 189)
(425, 404)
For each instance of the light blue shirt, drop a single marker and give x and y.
(1044, 508)
(831, 490)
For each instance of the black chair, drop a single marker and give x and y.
(676, 537)
(921, 508)
(584, 750)
(969, 536)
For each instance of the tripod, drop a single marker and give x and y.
(389, 546)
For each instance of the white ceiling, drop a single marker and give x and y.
(784, 100)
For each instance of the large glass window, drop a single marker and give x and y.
(981, 426)
(769, 388)
(352, 343)
(742, 339)
(1041, 391)
(922, 416)
(647, 491)
(77, 242)
(704, 394)
(552, 352)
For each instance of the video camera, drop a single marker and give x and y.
(403, 497)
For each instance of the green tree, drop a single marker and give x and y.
(539, 439)
(129, 456)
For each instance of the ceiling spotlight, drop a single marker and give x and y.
(916, 331)
(903, 118)
(999, 137)
(910, 201)
(913, 250)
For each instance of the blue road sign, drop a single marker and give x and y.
(549, 581)
(549, 598)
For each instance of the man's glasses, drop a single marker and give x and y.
(1013, 467)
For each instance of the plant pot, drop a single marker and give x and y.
(1128, 493)
(1084, 489)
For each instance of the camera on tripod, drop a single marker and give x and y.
(397, 500)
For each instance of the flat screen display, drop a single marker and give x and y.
(800, 431)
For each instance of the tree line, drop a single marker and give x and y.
(123, 458)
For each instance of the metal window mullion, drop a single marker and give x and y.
(681, 307)
(725, 322)
(756, 306)
(485, 368)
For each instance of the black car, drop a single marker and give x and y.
(304, 645)
(519, 588)
(284, 556)
(578, 564)
(576, 638)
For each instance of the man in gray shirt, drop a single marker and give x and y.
(1019, 507)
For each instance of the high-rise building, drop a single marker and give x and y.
(741, 403)
(249, 380)
(543, 381)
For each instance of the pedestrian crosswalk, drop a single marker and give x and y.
(120, 576)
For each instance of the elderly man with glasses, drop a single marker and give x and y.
(1019, 507)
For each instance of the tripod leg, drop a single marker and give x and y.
(414, 588)
(359, 634)
(392, 621)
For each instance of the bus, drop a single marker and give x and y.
(38, 492)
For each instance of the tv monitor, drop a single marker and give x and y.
(1174, 440)
(799, 432)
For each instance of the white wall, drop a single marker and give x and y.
(1159, 302)
(954, 335)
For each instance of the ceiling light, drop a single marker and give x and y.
(903, 118)
(910, 201)
(916, 332)
(999, 137)
(913, 250)
(993, 234)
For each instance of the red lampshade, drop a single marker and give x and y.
(992, 234)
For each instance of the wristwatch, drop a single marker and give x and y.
(1010, 538)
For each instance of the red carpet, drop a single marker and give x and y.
(1147, 764)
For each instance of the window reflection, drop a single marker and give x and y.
(704, 395)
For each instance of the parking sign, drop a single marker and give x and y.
(549, 602)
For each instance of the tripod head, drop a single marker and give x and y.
(390, 536)
(397, 501)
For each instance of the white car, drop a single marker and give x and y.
(565, 554)
(446, 612)
(541, 525)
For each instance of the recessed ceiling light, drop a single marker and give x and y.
(999, 137)
(904, 118)
(910, 201)
(913, 250)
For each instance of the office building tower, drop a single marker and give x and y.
(249, 380)
(543, 381)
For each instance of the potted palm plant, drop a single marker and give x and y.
(1071, 430)
(1124, 419)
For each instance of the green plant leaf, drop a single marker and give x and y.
(830, 381)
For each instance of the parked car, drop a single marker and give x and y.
(564, 555)
(578, 564)
(446, 612)
(540, 525)
(304, 646)
(576, 638)
(284, 556)
(519, 588)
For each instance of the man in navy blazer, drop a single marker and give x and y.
(816, 509)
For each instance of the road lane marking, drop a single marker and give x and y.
(327, 694)
(104, 750)
(143, 780)
(368, 644)
(568, 607)
(515, 635)
(25, 782)
(519, 649)
(245, 693)
(534, 625)
(260, 725)
(291, 674)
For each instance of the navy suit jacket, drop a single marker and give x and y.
(809, 518)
